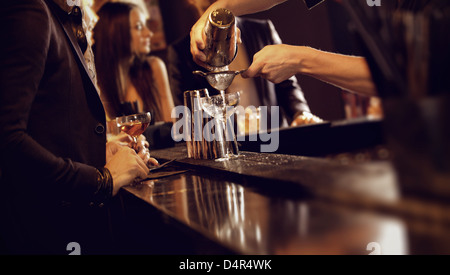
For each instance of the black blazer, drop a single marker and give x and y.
(255, 35)
(52, 132)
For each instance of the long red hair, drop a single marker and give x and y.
(112, 49)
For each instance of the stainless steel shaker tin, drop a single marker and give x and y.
(221, 41)
(194, 122)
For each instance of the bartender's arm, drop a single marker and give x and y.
(279, 62)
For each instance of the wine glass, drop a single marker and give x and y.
(134, 125)
(221, 107)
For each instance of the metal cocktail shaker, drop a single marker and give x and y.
(221, 41)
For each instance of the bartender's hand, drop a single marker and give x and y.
(198, 41)
(305, 118)
(276, 63)
(125, 166)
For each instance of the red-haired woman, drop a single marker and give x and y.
(125, 71)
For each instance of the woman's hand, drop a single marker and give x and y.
(121, 137)
(305, 118)
(125, 166)
(125, 140)
(114, 144)
(142, 149)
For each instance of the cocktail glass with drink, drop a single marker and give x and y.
(134, 125)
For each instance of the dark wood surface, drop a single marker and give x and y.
(284, 204)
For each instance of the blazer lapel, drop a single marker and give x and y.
(65, 24)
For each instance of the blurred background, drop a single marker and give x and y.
(171, 20)
(296, 26)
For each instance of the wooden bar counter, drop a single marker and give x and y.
(271, 204)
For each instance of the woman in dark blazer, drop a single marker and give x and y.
(55, 182)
